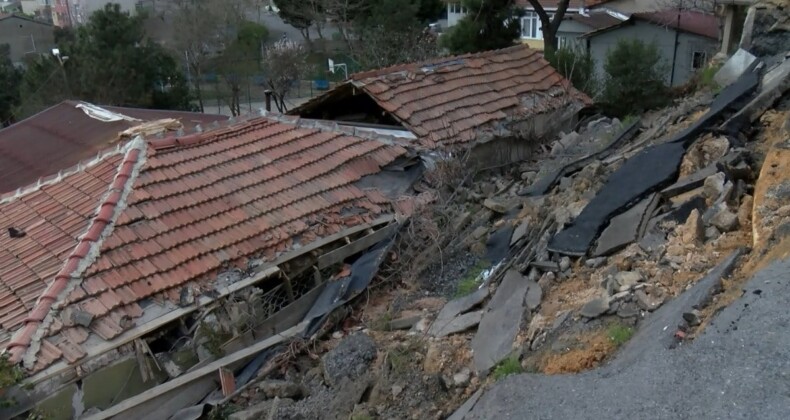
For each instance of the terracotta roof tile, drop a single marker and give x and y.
(444, 101)
(235, 193)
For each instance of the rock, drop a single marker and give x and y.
(692, 318)
(396, 390)
(283, 389)
(519, 231)
(403, 323)
(628, 279)
(565, 263)
(783, 211)
(350, 359)
(546, 280)
(714, 186)
(534, 296)
(479, 232)
(534, 274)
(458, 324)
(693, 231)
(711, 233)
(628, 310)
(725, 220)
(529, 176)
(648, 302)
(497, 205)
(595, 307)
(487, 189)
(421, 325)
(462, 377)
(595, 262)
(433, 359)
(545, 265)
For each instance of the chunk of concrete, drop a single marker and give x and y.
(500, 323)
(519, 232)
(534, 295)
(734, 67)
(725, 220)
(623, 229)
(595, 307)
(456, 307)
(458, 324)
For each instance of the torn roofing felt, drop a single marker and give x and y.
(118, 242)
(653, 168)
(446, 102)
(337, 293)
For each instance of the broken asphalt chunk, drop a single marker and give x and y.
(501, 321)
(456, 307)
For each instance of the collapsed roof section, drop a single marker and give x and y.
(72, 131)
(91, 255)
(449, 102)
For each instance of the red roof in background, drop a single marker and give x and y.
(445, 101)
(552, 4)
(595, 20)
(694, 22)
(167, 214)
(63, 135)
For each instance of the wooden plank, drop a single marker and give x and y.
(359, 245)
(262, 273)
(227, 381)
(190, 377)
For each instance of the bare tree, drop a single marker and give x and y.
(550, 25)
(285, 64)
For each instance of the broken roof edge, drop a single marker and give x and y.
(25, 342)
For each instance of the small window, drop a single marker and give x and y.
(531, 25)
(698, 59)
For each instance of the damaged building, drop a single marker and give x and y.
(501, 103)
(138, 281)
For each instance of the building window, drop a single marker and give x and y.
(457, 8)
(698, 59)
(530, 25)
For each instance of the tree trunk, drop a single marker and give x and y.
(198, 90)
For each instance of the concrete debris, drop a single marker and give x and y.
(725, 220)
(534, 295)
(595, 262)
(624, 228)
(456, 307)
(498, 205)
(350, 359)
(500, 323)
(595, 307)
(519, 232)
(693, 231)
(462, 378)
(648, 302)
(546, 265)
(714, 186)
(711, 233)
(626, 280)
(628, 310)
(565, 264)
(458, 324)
(404, 323)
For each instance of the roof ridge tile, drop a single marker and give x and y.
(26, 341)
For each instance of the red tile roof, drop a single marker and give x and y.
(694, 22)
(595, 20)
(552, 4)
(158, 216)
(446, 101)
(63, 135)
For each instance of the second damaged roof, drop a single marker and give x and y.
(143, 222)
(444, 102)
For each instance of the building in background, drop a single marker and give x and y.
(27, 37)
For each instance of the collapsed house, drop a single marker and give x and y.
(137, 269)
(499, 103)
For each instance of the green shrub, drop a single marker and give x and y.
(470, 282)
(509, 366)
(619, 334)
(576, 65)
(635, 79)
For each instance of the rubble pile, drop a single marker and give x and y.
(491, 288)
